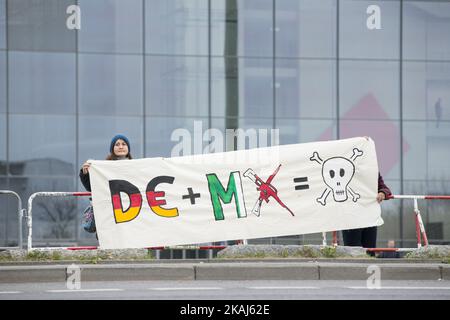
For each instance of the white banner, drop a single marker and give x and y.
(265, 192)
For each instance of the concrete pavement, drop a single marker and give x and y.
(218, 269)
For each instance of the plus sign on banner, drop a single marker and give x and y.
(264, 192)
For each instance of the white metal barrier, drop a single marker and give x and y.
(420, 228)
(84, 194)
(45, 194)
(20, 214)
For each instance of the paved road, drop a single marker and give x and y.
(229, 290)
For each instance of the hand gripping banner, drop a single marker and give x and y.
(265, 192)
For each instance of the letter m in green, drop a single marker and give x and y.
(219, 194)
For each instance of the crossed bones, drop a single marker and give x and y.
(355, 196)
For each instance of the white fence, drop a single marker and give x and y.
(420, 228)
(20, 215)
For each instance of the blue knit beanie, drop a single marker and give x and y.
(117, 137)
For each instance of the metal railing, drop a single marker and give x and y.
(45, 194)
(420, 228)
(20, 215)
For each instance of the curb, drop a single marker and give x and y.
(257, 271)
(137, 273)
(398, 271)
(225, 271)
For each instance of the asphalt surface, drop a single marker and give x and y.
(229, 290)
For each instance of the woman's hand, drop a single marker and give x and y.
(86, 167)
(381, 196)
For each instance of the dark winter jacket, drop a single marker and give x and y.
(85, 180)
(383, 188)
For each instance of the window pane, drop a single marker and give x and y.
(111, 26)
(243, 28)
(178, 27)
(53, 217)
(429, 154)
(177, 86)
(357, 40)
(249, 132)
(95, 134)
(2, 143)
(42, 144)
(390, 212)
(386, 135)
(426, 91)
(9, 231)
(243, 123)
(302, 131)
(437, 219)
(110, 84)
(42, 83)
(2, 24)
(305, 88)
(40, 25)
(2, 82)
(434, 212)
(298, 24)
(415, 160)
(438, 154)
(369, 90)
(426, 29)
(181, 136)
(242, 87)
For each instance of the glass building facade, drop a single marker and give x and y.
(314, 69)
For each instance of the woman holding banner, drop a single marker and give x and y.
(119, 149)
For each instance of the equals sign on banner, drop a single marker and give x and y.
(303, 185)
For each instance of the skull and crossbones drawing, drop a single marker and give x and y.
(337, 172)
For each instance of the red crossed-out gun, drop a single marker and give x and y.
(266, 190)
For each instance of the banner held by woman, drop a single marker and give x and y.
(264, 192)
